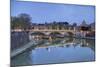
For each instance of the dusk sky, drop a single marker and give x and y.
(47, 12)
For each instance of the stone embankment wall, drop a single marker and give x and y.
(19, 39)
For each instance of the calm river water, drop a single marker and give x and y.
(59, 50)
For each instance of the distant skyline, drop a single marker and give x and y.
(49, 12)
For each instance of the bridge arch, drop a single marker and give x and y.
(70, 33)
(55, 34)
(37, 33)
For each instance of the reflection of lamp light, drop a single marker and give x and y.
(48, 49)
(64, 45)
(87, 44)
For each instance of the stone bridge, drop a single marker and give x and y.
(48, 32)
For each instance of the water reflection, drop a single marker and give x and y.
(62, 42)
(58, 50)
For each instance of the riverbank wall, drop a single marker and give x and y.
(19, 39)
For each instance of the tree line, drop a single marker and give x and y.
(23, 21)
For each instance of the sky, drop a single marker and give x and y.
(49, 12)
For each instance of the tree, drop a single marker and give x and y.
(22, 21)
(25, 20)
(66, 25)
(74, 24)
(14, 22)
(54, 25)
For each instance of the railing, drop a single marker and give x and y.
(53, 30)
(42, 30)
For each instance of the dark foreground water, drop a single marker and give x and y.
(61, 50)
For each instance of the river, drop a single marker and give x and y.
(57, 50)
